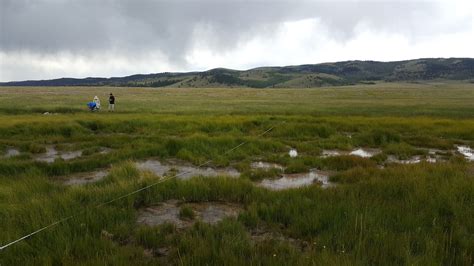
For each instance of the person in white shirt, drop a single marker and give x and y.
(97, 102)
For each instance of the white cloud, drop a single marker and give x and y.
(309, 41)
(28, 65)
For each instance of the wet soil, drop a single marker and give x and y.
(287, 181)
(12, 152)
(52, 154)
(184, 170)
(258, 236)
(361, 152)
(266, 165)
(85, 178)
(206, 212)
(412, 160)
(105, 150)
(466, 151)
(365, 153)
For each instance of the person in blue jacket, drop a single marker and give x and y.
(92, 106)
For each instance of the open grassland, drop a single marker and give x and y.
(437, 99)
(377, 212)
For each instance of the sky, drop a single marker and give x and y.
(45, 39)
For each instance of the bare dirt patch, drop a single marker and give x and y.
(85, 178)
(259, 236)
(169, 212)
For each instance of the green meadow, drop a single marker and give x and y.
(378, 211)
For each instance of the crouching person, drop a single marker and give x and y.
(92, 106)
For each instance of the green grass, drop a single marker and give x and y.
(402, 214)
(186, 213)
(384, 99)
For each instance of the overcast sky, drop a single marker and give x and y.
(43, 39)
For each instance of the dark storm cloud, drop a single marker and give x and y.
(49, 26)
(54, 38)
(136, 26)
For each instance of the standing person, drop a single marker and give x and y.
(111, 102)
(97, 102)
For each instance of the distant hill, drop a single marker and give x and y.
(301, 76)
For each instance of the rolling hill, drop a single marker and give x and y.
(300, 76)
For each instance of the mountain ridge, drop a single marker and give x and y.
(301, 76)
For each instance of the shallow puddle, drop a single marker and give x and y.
(49, 156)
(297, 180)
(437, 155)
(266, 166)
(184, 171)
(413, 160)
(168, 212)
(69, 155)
(434, 151)
(153, 166)
(12, 152)
(85, 178)
(467, 152)
(366, 153)
(331, 153)
(52, 154)
(105, 150)
(361, 152)
(432, 158)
